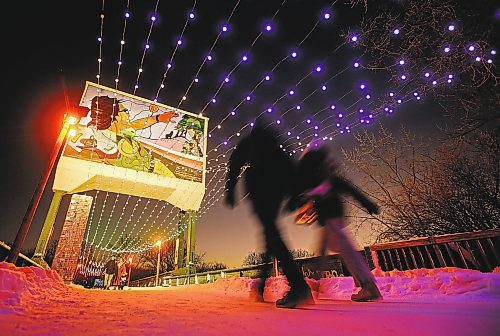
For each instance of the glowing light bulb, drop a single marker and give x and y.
(153, 18)
(196, 80)
(403, 76)
(209, 57)
(327, 16)
(268, 27)
(267, 77)
(368, 96)
(333, 107)
(478, 59)
(447, 49)
(401, 62)
(323, 87)
(191, 15)
(356, 64)
(214, 100)
(244, 58)
(427, 74)
(179, 42)
(291, 92)
(127, 14)
(451, 27)
(298, 107)
(248, 97)
(362, 86)
(493, 52)
(318, 68)
(225, 28)
(294, 54)
(471, 48)
(354, 38)
(396, 31)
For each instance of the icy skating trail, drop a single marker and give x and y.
(423, 302)
(198, 310)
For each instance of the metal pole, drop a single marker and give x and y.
(158, 265)
(37, 194)
(129, 272)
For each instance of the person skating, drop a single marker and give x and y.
(267, 178)
(110, 270)
(318, 180)
(121, 274)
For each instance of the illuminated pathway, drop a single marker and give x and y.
(210, 310)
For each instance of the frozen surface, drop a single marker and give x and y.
(447, 301)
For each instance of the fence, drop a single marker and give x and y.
(471, 250)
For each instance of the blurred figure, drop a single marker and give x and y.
(319, 183)
(267, 179)
(121, 274)
(110, 270)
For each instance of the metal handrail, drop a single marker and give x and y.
(7, 247)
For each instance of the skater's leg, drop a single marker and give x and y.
(356, 265)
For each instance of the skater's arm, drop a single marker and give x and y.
(358, 195)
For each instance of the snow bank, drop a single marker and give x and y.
(22, 284)
(440, 284)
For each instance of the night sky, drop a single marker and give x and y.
(51, 48)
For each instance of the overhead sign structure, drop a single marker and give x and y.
(70, 242)
(130, 145)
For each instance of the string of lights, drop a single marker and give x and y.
(179, 42)
(146, 47)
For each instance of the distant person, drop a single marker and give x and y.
(110, 270)
(267, 179)
(121, 274)
(318, 181)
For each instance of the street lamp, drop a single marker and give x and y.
(129, 271)
(158, 243)
(37, 194)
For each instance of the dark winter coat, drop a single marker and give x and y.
(313, 169)
(111, 267)
(270, 170)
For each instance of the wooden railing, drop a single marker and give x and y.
(471, 250)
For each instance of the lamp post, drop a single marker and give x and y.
(37, 194)
(129, 271)
(158, 243)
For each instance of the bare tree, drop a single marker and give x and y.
(257, 258)
(425, 28)
(148, 259)
(424, 191)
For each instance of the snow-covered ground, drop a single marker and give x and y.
(446, 301)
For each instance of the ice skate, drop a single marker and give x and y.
(296, 298)
(368, 292)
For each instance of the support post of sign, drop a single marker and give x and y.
(48, 227)
(191, 236)
(37, 195)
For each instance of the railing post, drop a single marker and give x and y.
(376, 263)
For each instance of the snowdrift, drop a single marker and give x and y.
(450, 284)
(22, 284)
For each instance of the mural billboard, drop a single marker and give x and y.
(138, 146)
